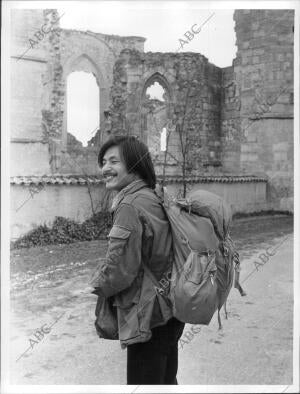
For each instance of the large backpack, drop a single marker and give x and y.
(205, 258)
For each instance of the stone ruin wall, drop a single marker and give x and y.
(240, 119)
(230, 122)
(263, 71)
(29, 147)
(40, 68)
(96, 53)
(192, 87)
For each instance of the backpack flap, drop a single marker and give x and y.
(212, 206)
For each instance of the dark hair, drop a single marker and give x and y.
(135, 155)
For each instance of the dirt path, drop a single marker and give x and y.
(53, 340)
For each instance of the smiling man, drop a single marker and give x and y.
(139, 254)
(114, 170)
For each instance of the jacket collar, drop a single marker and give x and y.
(129, 189)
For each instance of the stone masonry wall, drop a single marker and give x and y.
(29, 149)
(193, 88)
(263, 71)
(237, 120)
(231, 137)
(43, 55)
(90, 52)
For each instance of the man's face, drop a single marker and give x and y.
(114, 171)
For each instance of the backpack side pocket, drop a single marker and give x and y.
(194, 296)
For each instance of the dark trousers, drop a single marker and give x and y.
(155, 361)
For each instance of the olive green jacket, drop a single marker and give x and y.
(132, 280)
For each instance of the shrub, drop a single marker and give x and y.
(66, 231)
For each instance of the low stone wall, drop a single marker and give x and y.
(34, 202)
(29, 209)
(242, 197)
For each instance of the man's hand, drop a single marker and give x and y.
(94, 281)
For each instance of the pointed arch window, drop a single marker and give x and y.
(82, 107)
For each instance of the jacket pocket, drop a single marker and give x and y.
(128, 320)
(127, 298)
(118, 238)
(119, 232)
(127, 305)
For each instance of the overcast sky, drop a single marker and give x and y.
(163, 24)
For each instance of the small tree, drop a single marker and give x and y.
(181, 125)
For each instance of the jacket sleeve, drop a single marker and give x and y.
(121, 264)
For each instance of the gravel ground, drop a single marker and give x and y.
(53, 340)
